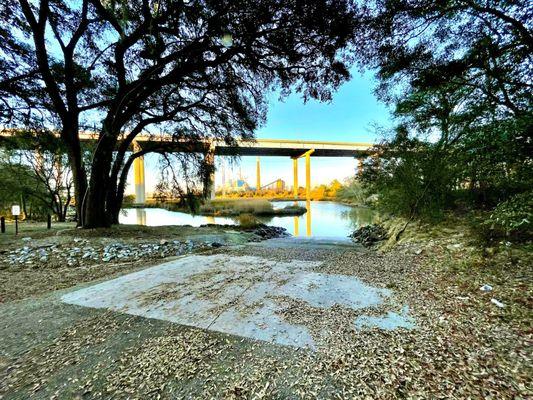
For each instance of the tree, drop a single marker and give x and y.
(40, 163)
(457, 74)
(20, 186)
(196, 69)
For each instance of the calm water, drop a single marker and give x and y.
(323, 219)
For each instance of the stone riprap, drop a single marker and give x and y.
(243, 295)
(83, 251)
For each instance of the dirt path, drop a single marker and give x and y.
(463, 345)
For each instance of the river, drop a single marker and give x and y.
(323, 219)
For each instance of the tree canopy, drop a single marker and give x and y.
(457, 74)
(192, 69)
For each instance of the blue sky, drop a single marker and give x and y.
(349, 117)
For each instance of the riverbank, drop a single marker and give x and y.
(41, 260)
(463, 344)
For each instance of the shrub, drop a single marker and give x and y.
(352, 192)
(513, 217)
(128, 199)
(237, 207)
(247, 221)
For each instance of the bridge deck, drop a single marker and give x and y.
(257, 147)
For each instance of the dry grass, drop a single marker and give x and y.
(237, 206)
(248, 221)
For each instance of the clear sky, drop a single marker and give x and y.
(349, 117)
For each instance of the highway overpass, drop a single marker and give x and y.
(294, 149)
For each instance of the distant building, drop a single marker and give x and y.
(235, 185)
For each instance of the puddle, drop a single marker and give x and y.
(388, 322)
(237, 295)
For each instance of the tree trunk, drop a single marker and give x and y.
(119, 192)
(96, 208)
(75, 159)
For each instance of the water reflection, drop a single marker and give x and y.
(160, 216)
(322, 219)
(141, 216)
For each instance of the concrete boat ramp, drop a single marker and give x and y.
(241, 295)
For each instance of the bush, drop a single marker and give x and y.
(237, 207)
(513, 217)
(128, 199)
(247, 221)
(352, 192)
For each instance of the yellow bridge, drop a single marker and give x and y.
(294, 149)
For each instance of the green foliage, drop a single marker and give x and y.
(513, 217)
(463, 102)
(352, 192)
(18, 185)
(412, 178)
(128, 199)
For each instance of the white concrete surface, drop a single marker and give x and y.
(235, 295)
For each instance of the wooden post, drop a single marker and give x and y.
(3, 225)
(48, 221)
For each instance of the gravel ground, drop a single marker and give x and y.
(464, 346)
(34, 265)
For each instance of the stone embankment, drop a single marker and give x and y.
(87, 251)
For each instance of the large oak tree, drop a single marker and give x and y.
(191, 69)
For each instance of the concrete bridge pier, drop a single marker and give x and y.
(295, 173)
(138, 176)
(308, 174)
(307, 156)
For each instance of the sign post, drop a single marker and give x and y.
(15, 211)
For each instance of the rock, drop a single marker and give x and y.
(485, 288)
(216, 244)
(455, 246)
(369, 235)
(26, 239)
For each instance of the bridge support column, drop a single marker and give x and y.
(138, 174)
(209, 175)
(258, 175)
(295, 174)
(308, 218)
(308, 174)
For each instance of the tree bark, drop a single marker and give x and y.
(96, 207)
(75, 158)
